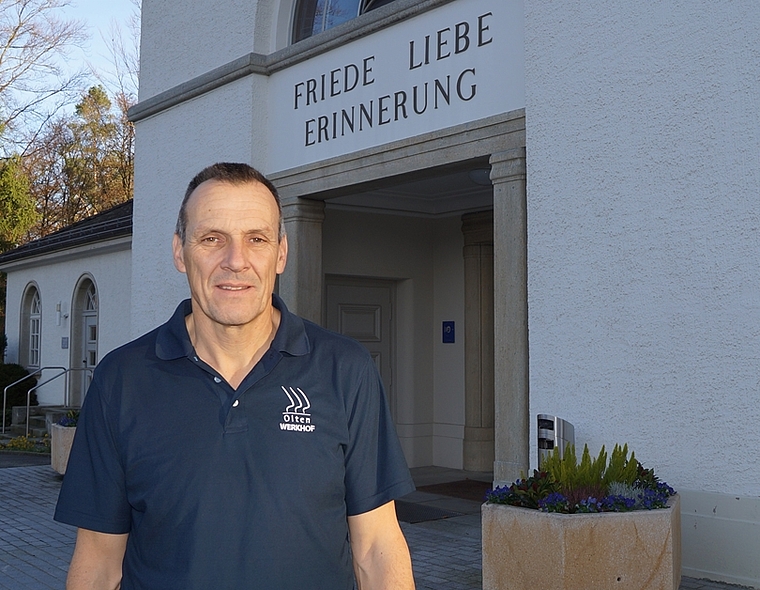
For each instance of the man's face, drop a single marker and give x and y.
(231, 253)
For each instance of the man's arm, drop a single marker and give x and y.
(96, 564)
(381, 556)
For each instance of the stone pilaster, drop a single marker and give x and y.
(300, 285)
(512, 420)
(478, 448)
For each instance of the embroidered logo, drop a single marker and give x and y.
(296, 416)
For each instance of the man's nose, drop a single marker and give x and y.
(234, 256)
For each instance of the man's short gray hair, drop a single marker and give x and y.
(231, 173)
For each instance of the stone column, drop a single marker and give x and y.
(512, 420)
(300, 286)
(478, 341)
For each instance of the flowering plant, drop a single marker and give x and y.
(567, 487)
(70, 419)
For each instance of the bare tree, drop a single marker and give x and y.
(123, 42)
(34, 78)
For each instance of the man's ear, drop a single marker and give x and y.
(177, 250)
(282, 255)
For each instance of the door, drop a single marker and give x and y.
(363, 310)
(84, 340)
(90, 351)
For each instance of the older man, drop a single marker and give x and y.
(237, 445)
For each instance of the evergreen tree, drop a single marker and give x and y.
(17, 207)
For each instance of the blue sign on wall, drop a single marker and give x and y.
(448, 332)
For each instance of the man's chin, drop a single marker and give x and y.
(234, 321)
(233, 318)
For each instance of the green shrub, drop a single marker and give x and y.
(592, 485)
(16, 394)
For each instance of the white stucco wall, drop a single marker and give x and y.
(223, 125)
(56, 282)
(643, 135)
(180, 42)
(643, 130)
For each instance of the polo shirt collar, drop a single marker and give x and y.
(173, 341)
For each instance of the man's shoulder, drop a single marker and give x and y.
(143, 347)
(320, 335)
(324, 341)
(165, 342)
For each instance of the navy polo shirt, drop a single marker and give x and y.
(223, 488)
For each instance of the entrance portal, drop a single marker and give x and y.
(84, 336)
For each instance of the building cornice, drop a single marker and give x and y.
(266, 65)
(59, 256)
(109, 225)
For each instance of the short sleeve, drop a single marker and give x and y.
(376, 470)
(93, 495)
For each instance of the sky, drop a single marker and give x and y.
(97, 16)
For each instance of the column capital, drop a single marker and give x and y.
(477, 228)
(508, 166)
(297, 209)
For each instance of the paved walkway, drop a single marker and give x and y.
(35, 550)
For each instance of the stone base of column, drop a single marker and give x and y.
(505, 473)
(478, 449)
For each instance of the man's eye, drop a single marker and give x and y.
(211, 239)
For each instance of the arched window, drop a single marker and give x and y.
(31, 328)
(315, 16)
(35, 320)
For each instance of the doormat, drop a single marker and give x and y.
(413, 512)
(466, 489)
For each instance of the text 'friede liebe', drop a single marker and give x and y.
(391, 107)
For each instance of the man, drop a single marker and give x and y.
(236, 446)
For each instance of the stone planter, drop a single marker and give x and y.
(61, 438)
(528, 549)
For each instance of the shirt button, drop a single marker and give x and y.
(195, 358)
(217, 379)
(236, 403)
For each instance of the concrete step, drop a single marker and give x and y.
(40, 419)
(37, 422)
(20, 430)
(18, 413)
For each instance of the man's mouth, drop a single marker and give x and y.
(233, 288)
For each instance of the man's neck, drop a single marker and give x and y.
(233, 350)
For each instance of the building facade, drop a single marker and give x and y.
(389, 220)
(67, 302)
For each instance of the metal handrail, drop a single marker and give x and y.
(24, 378)
(29, 393)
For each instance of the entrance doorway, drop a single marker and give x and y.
(84, 336)
(363, 310)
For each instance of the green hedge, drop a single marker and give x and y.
(16, 394)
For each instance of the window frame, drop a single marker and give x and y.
(297, 30)
(35, 330)
(30, 328)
